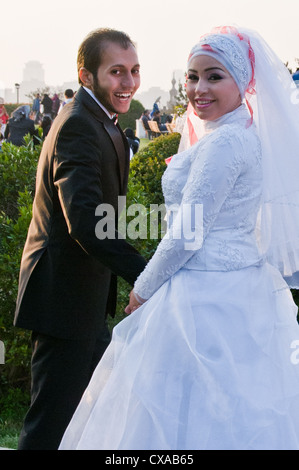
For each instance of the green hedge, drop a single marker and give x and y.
(129, 119)
(17, 184)
(146, 170)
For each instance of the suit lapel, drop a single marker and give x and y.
(121, 148)
(115, 133)
(126, 160)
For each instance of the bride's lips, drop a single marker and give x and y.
(202, 104)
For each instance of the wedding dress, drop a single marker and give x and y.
(210, 360)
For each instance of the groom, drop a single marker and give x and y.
(67, 280)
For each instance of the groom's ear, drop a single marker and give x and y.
(86, 77)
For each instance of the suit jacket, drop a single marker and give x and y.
(66, 271)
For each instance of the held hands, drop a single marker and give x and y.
(134, 303)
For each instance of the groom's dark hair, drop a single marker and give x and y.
(91, 50)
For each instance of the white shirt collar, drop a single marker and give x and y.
(90, 92)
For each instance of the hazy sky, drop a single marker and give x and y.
(165, 30)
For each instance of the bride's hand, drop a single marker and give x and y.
(133, 304)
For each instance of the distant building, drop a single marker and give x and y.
(33, 70)
(147, 98)
(173, 94)
(33, 79)
(167, 98)
(73, 85)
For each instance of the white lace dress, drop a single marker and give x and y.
(211, 360)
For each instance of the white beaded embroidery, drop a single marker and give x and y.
(220, 173)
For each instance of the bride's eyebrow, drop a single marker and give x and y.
(214, 68)
(206, 70)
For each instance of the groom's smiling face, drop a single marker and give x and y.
(117, 78)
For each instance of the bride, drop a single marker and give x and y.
(207, 359)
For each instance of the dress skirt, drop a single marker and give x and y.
(210, 362)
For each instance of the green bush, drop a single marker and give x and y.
(11, 107)
(129, 119)
(17, 182)
(146, 170)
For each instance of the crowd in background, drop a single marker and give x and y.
(28, 119)
(40, 115)
(155, 115)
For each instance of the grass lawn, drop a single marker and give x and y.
(9, 433)
(143, 143)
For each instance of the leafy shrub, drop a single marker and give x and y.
(146, 170)
(17, 182)
(11, 107)
(129, 119)
(17, 172)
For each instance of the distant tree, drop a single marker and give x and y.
(181, 100)
(41, 91)
(129, 119)
(290, 69)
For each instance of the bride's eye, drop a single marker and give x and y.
(214, 77)
(192, 77)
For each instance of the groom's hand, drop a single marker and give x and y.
(133, 304)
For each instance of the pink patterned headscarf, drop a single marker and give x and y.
(233, 50)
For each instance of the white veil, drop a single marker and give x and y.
(275, 107)
(276, 113)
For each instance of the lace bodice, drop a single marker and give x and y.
(216, 187)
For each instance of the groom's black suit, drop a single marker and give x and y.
(67, 276)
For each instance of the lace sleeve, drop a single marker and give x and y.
(213, 173)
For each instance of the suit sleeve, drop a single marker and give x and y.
(77, 177)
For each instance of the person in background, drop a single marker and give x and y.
(68, 95)
(68, 98)
(145, 118)
(155, 108)
(157, 118)
(46, 125)
(47, 105)
(133, 141)
(36, 108)
(55, 105)
(20, 125)
(295, 77)
(3, 118)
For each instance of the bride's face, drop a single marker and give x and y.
(211, 89)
